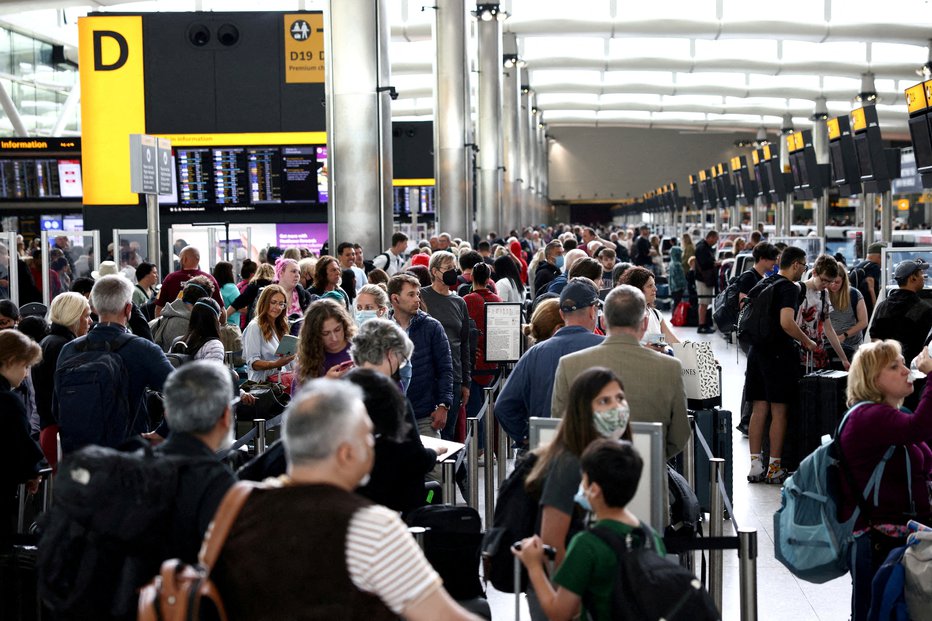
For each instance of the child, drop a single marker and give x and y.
(611, 470)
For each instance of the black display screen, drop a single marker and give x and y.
(865, 166)
(245, 178)
(919, 131)
(836, 159)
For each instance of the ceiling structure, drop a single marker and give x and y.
(695, 65)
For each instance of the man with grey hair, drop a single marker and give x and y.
(309, 547)
(199, 409)
(120, 412)
(653, 382)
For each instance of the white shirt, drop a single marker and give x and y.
(507, 292)
(255, 347)
(392, 265)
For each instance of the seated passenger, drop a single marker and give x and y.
(610, 474)
(310, 548)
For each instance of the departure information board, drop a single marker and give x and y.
(40, 170)
(246, 178)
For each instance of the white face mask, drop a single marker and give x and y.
(611, 423)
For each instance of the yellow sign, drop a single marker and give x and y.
(112, 104)
(791, 142)
(902, 204)
(246, 138)
(916, 98)
(412, 182)
(702, 175)
(798, 138)
(304, 48)
(755, 157)
(858, 120)
(767, 155)
(834, 132)
(692, 179)
(928, 88)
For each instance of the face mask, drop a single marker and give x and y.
(363, 316)
(559, 262)
(404, 374)
(581, 500)
(449, 278)
(611, 423)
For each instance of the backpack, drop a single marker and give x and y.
(452, 546)
(888, 589)
(650, 587)
(755, 322)
(104, 535)
(725, 307)
(92, 392)
(515, 518)
(857, 278)
(685, 513)
(809, 539)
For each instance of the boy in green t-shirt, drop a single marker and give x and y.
(611, 470)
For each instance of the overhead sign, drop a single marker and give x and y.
(150, 161)
(304, 48)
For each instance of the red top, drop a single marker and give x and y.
(515, 248)
(475, 306)
(174, 283)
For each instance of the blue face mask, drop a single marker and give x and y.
(559, 262)
(581, 500)
(363, 316)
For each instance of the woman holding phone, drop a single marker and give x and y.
(324, 342)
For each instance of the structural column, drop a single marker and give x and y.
(489, 208)
(533, 214)
(785, 206)
(820, 145)
(543, 191)
(511, 106)
(359, 123)
(524, 111)
(451, 160)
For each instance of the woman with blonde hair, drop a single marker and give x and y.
(545, 320)
(21, 455)
(371, 302)
(324, 342)
(70, 317)
(849, 313)
(264, 333)
(878, 382)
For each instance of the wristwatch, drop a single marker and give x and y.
(443, 405)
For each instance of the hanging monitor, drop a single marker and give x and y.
(877, 165)
(745, 185)
(695, 190)
(843, 158)
(920, 129)
(809, 177)
(760, 173)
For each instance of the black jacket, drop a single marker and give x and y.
(544, 275)
(20, 458)
(43, 374)
(903, 316)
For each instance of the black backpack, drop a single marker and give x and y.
(725, 308)
(649, 587)
(92, 393)
(105, 534)
(452, 546)
(857, 278)
(685, 512)
(755, 321)
(515, 518)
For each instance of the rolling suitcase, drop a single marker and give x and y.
(820, 408)
(452, 546)
(715, 426)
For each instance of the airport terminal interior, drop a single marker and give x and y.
(130, 130)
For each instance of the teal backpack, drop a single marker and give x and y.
(808, 537)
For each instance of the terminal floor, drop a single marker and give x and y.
(780, 595)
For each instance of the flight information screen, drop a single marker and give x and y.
(246, 178)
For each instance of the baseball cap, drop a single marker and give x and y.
(875, 248)
(905, 269)
(578, 293)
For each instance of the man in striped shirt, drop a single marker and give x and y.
(307, 547)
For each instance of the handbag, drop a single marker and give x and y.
(702, 375)
(232, 338)
(271, 400)
(183, 592)
(918, 564)
(680, 315)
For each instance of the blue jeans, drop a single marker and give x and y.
(867, 557)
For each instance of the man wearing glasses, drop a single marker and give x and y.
(773, 370)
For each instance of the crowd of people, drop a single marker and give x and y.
(379, 353)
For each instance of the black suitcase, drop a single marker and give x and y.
(819, 410)
(452, 546)
(19, 599)
(715, 426)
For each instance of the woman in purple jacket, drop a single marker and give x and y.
(879, 377)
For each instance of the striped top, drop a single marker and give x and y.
(383, 559)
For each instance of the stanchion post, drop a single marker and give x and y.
(260, 435)
(21, 509)
(747, 567)
(688, 559)
(716, 517)
(448, 481)
(420, 536)
(489, 459)
(503, 442)
(472, 457)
